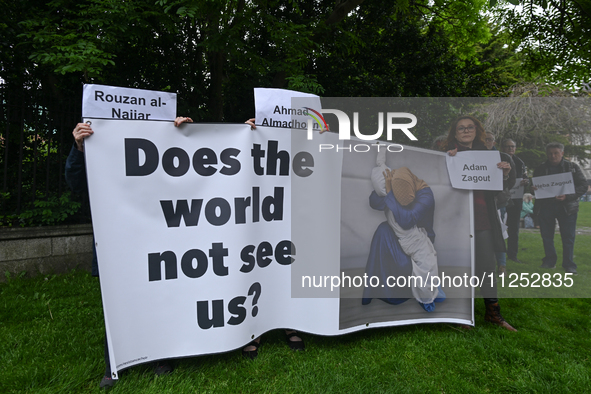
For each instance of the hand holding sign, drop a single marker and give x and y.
(505, 166)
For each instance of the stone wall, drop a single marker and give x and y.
(44, 250)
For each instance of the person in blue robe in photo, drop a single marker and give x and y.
(387, 259)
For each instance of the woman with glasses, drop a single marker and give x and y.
(467, 133)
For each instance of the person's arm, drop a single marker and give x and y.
(409, 216)
(527, 207)
(580, 181)
(509, 173)
(75, 164)
(76, 171)
(376, 202)
(81, 132)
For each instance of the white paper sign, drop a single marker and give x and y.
(517, 190)
(549, 186)
(475, 170)
(111, 102)
(273, 107)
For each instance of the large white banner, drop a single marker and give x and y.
(210, 235)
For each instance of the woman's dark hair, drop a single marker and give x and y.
(451, 141)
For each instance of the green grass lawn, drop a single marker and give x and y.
(531, 253)
(584, 217)
(52, 342)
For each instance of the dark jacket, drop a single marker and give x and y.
(76, 172)
(520, 169)
(76, 180)
(571, 203)
(489, 197)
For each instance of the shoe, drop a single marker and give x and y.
(571, 270)
(163, 368)
(516, 260)
(502, 270)
(440, 296)
(493, 315)
(294, 345)
(107, 382)
(548, 265)
(251, 354)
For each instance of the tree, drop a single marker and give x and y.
(537, 114)
(555, 38)
(213, 53)
(202, 47)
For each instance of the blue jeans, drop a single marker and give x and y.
(501, 259)
(568, 224)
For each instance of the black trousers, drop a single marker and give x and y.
(513, 219)
(485, 265)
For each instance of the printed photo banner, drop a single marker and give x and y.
(210, 235)
(475, 170)
(550, 186)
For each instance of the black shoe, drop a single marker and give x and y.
(251, 354)
(107, 382)
(548, 265)
(516, 260)
(295, 345)
(493, 315)
(163, 368)
(571, 270)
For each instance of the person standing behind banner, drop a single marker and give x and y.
(467, 133)
(563, 208)
(76, 180)
(514, 210)
(527, 211)
(502, 199)
(292, 337)
(489, 141)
